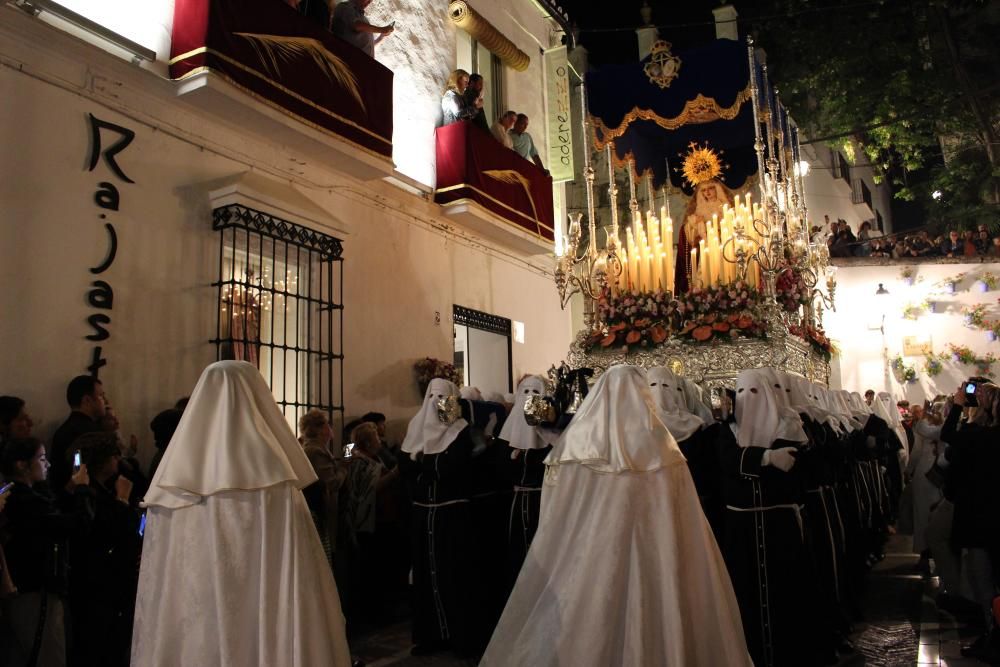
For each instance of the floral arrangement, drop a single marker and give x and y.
(816, 338)
(903, 372)
(990, 280)
(950, 284)
(962, 354)
(913, 311)
(975, 316)
(428, 369)
(932, 364)
(992, 327)
(791, 291)
(649, 318)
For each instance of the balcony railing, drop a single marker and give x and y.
(474, 167)
(277, 57)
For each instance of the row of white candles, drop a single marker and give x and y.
(648, 259)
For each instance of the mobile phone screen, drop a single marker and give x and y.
(970, 388)
(348, 450)
(76, 461)
(142, 524)
(6, 487)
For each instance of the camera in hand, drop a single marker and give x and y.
(970, 390)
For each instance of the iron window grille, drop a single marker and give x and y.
(280, 296)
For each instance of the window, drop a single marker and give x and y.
(483, 350)
(280, 293)
(879, 222)
(473, 57)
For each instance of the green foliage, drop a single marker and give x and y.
(882, 76)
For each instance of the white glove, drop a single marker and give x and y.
(783, 459)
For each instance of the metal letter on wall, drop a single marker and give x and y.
(560, 126)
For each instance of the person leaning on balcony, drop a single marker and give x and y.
(501, 128)
(453, 104)
(953, 245)
(522, 143)
(474, 98)
(352, 26)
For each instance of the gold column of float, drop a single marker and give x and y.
(469, 20)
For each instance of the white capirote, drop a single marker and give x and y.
(668, 393)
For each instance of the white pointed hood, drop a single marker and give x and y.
(426, 434)
(668, 393)
(693, 400)
(790, 427)
(616, 428)
(232, 437)
(516, 431)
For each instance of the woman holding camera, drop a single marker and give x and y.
(37, 549)
(974, 457)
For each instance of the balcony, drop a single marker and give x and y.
(264, 67)
(492, 189)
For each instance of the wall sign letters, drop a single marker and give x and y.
(101, 296)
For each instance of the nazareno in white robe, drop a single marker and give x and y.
(233, 572)
(624, 569)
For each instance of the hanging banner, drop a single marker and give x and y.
(560, 126)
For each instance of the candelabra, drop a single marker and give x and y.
(586, 270)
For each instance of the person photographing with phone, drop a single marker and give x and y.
(105, 574)
(974, 459)
(39, 531)
(351, 25)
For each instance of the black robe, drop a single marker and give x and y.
(699, 450)
(766, 552)
(439, 526)
(527, 471)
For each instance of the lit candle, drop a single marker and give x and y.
(668, 247)
(703, 263)
(694, 267)
(657, 266)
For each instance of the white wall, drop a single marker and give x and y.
(403, 262)
(827, 194)
(854, 327)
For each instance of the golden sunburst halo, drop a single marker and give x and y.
(701, 164)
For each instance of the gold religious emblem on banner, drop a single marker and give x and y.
(663, 66)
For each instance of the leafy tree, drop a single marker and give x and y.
(915, 84)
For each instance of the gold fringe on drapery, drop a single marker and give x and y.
(469, 20)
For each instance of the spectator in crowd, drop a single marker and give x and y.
(969, 243)
(864, 249)
(181, 403)
(953, 245)
(869, 396)
(129, 465)
(522, 141)
(474, 99)
(38, 532)
(975, 461)
(104, 577)
(982, 241)
(453, 105)
(14, 419)
(843, 241)
(163, 426)
(816, 235)
(921, 245)
(352, 26)
(995, 248)
(881, 248)
(331, 470)
(85, 396)
(501, 128)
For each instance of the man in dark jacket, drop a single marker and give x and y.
(85, 395)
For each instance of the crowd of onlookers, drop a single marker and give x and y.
(463, 100)
(71, 525)
(870, 242)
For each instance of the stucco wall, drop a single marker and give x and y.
(403, 261)
(861, 363)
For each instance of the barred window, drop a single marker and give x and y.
(280, 294)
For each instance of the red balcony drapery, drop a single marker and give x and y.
(281, 58)
(471, 164)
